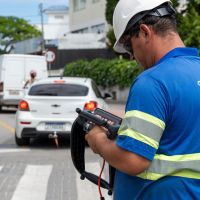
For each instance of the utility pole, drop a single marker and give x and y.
(42, 26)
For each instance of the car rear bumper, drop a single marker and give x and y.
(26, 127)
(33, 133)
(9, 102)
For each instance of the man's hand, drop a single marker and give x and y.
(95, 138)
(117, 157)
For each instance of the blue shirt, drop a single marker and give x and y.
(162, 124)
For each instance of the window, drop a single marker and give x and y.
(58, 90)
(59, 17)
(79, 4)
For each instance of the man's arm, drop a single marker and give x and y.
(26, 84)
(117, 157)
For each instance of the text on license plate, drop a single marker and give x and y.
(13, 92)
(54, 126)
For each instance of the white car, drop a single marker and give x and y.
(48, 108)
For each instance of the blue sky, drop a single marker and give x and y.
(27, 9)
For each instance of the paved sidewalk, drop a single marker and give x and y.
(116, 108)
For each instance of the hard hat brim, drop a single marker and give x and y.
(118, 47)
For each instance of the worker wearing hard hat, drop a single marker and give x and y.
(157, 151)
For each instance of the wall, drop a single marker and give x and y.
(80, 19)
(66, 56)
(57, 25)
(120, 95)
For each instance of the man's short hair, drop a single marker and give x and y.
(161, 25)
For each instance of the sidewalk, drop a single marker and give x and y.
(116, 108)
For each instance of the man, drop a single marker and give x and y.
(157, 151)
(32, 79)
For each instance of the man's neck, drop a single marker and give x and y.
(166, 44)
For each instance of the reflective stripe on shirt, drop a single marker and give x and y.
(143, 127)
(187, 166)
(148, 129)
(147, 117)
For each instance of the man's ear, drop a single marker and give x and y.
(146, 32)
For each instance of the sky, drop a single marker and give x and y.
(27, 9)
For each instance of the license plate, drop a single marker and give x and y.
(13, 92)
(54, 126)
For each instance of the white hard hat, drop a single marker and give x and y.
(124, 11)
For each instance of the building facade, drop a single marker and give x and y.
(74, 33)
(57, 25)
(56, 28)
(87, 16)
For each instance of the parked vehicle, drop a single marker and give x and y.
(49, 107)
(14, 72)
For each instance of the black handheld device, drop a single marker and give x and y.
(101, 118)
(83, 123)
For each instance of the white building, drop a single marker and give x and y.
(81, 26)
(57, 25)
(87, 16)
(87, 24)
(82, 41)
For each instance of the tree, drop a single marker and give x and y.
(189, 23)
(110, 6)
(14, 29)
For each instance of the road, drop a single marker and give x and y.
(41, 171)
(116, 108)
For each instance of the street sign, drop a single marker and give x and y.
(50, 56)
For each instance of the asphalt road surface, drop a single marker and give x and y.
(41, 171)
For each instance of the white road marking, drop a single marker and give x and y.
(1, 168)
(86, 189)
(13, 150)
(33, 184)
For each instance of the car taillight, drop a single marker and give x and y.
(90, 105)
(23, 105)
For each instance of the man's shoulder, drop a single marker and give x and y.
(151, 74)
(160, 71)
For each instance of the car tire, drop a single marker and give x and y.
(21, 141)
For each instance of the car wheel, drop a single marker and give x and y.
(21, 141)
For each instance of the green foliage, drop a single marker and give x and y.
(189, 24)
(190, 28)
(13, 29)
(110, 6)
(105, 73)
(175, 3)
(110, 38)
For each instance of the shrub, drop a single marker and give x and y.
(106, 73)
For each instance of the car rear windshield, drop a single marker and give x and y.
(58, 90)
